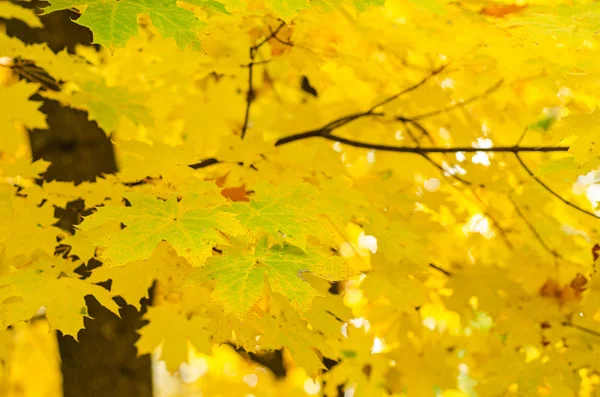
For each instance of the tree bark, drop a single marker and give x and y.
(104, 361)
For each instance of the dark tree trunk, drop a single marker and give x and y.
(104, 362)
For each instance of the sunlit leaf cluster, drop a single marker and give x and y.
(403, 196)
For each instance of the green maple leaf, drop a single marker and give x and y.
(105, 104)
(436, 7)
(241, 276)
(364, 5)
(192, 226)
(287, 9)
(288, 213)
(113, 22)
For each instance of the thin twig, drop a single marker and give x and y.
(337, 123)
(249, 94)
(256, 63)
(522, 136)
(204, 163)
(284, 42)
(486, 210)
(453, 107)
(413, 87)
(542, 184)
(250, 65)
(272, 35)
(533, 230)
(430, 160)
(495, 222)
(439, 269)
(579, 327)
(421, 128)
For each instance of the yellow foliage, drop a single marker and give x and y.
(399, 197)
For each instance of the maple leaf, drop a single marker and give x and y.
(420, 370)
(287, 9)
(489, 284)
(288, 213)
(24, 168)
(585, 127)
(49, 282)
(172, 327)
(191, 226)
(10, 10)
(199, 321)
(434, 6)
(241, 276)
(140, 160)
(320, 170)
(509, 368)
(275, 326)
(83, 242)
(364, 5)
(104, 104)
(115, 21)
(133, 280)
(18, 111)
(358, 368)
(35, 225)
(327, 313)
(397, 286)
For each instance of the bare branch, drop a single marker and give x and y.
(429, 159)
(453, 107)
(579, 327)
(495, 222)
(418, 150)
(337, 123)
(250, 65)
(542, 184)
(439, 269)
(269, 37)
(204, 163)
(409, 89)
(284, 42)
(535, 233)
(249, 94)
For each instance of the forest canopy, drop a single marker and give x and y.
(390, 197)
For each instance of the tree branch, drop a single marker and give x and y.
(284, 42)
(339, 122)
(413, 87)
(439, 269)
(429, 159)
(495, 222)
(579, 327)
(204, 163)
(455, 106)
(418, 150)
(558, 196)
(250, 94)
(535, 233)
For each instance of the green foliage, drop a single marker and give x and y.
(241, 276)
(115, 21)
